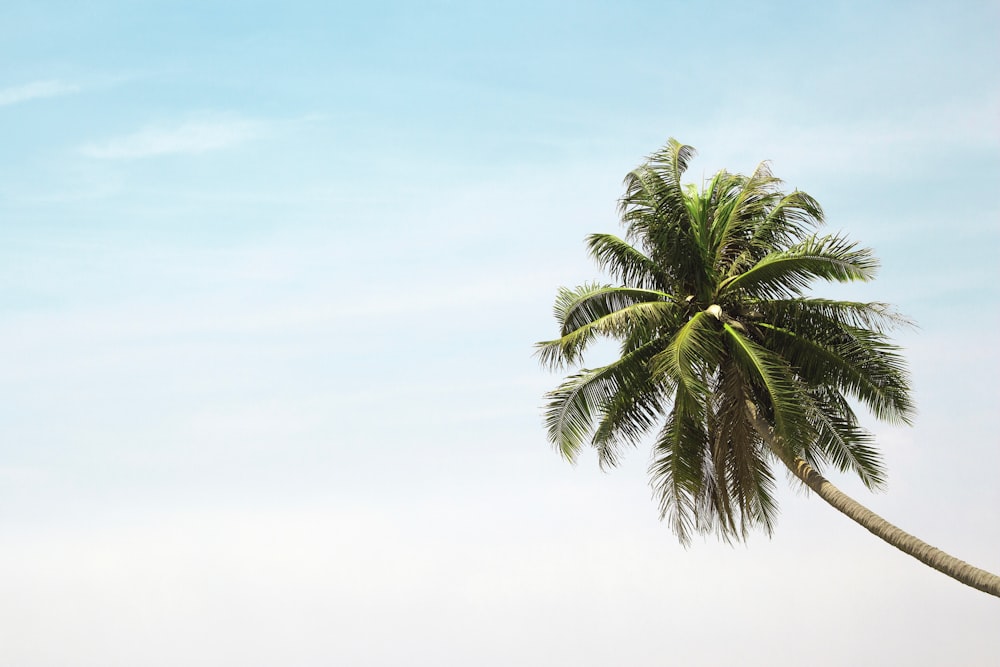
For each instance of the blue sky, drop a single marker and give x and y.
(270, 277)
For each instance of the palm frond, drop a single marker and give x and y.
(793, 217)
(740, 464)
(790, 272)
(629, 415)
(676, 471)
(655, 213)
(773, 377)
(804, 314)
(748, 203)
(589, 303)
(656, 186)
(850, 340)
(857, 361)
(693, 349)
(625, 262)
(591, 311)
(886, 391)
(727, 441)
(842, 441)
(574, 405)
(789, 220)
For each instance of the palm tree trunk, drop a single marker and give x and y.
(925, 553)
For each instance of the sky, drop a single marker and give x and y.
(270, 279)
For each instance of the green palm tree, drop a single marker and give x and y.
(726, 360)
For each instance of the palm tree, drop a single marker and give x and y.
(727, 359)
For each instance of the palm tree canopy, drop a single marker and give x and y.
(724, 355)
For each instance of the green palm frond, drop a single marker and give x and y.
(850, 340)
(774, 378)
(886, 390)
(653, 200)
(572, 407)
(804, 314)
(859, 362)
(740, 464)
(594, 311)
(585, 305)
(727, 435)
(625, 262)
(656, 216)
(692, 351)
(789, 219)
(655, 187)
(678, 463)
(741, 213)
(842, 441)
(795, 215)
(629, 415)
(790, 272)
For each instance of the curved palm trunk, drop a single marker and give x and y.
(925, 553)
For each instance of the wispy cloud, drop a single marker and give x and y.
(190, 137)
(35, 90)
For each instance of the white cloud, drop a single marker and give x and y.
(35, 90)
(191, 137)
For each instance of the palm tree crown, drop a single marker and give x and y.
(723, 353)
